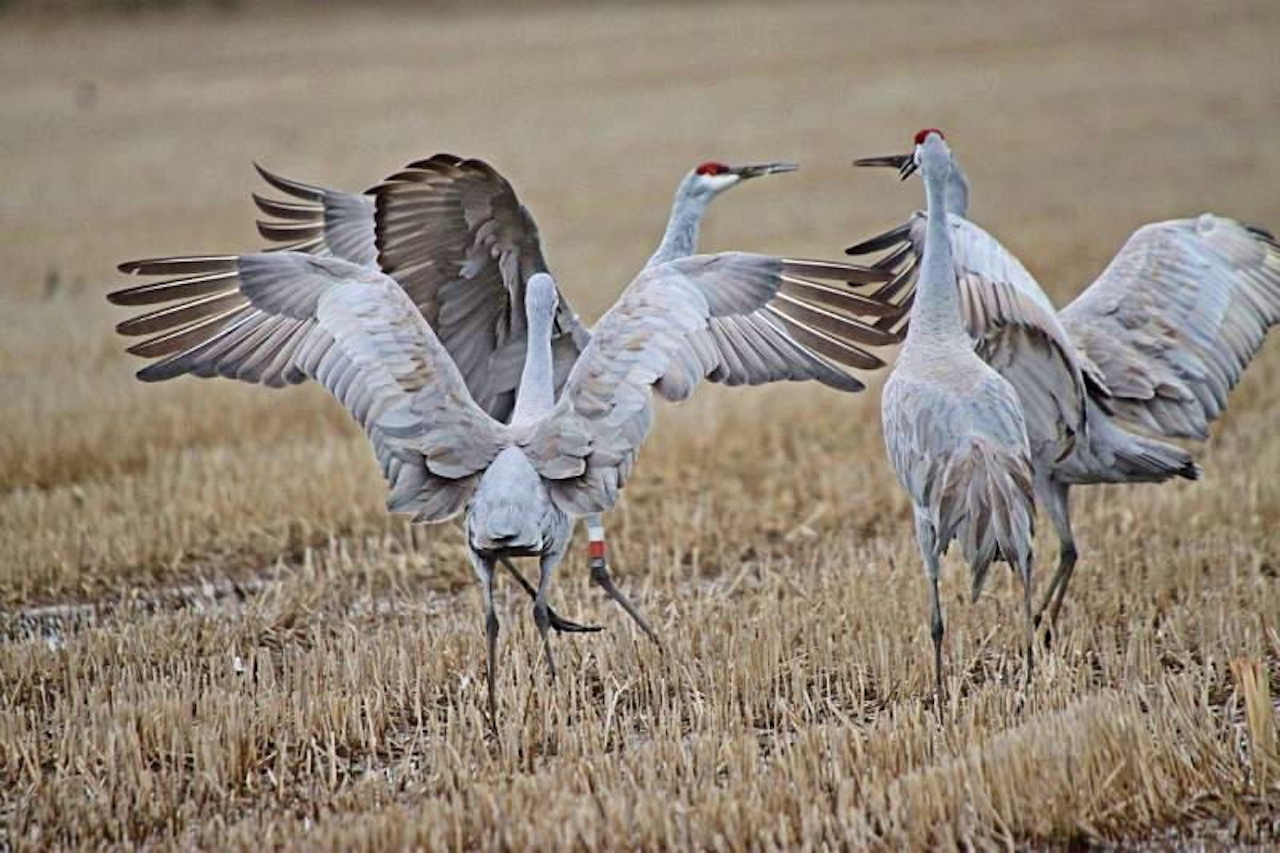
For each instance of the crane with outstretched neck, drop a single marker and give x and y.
(1150, 351)
(954, 427)
(280, 318)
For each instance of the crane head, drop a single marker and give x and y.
(930, 143)
(714, 176)
(905, 163)
(541, 299)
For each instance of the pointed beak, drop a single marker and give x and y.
(904, 163)
(758, 169)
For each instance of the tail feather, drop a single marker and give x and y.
(1111, 453)
(1139, 459)
(987, 503)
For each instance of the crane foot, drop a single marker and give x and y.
(556, 622)
(600, 574)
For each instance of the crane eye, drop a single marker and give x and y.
(712, 168)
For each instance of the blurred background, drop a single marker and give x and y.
(764, 528)
(131, 132)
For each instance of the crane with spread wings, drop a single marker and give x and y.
(1148, 352)
(582, 404)
(452, 232)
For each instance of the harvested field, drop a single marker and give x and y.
(212, 635)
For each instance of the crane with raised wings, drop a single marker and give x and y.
(453, 233)
(1149, 351)
(577, 422)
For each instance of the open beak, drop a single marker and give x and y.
(904, 163)
(758, 169)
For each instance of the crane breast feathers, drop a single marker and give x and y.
(1176, 317)
(965, 464)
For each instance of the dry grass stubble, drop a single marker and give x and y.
(259, 655)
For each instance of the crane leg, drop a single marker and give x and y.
(936, 631)
(541, 613)
(1054, 498)
(600, 575)
(484, 569)
(1028, 620)
(1067, 567)
(557, 623)
(927, 539)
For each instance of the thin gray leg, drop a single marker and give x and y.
(1054, 498)
(936, 631)
(541, 616)
(558, 624)
(929, 553)
(600, 575)
(1028, 620)
(484, 568)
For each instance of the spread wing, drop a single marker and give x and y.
(455, 236)
(279, 318)
(1176, 317)
(318, 220)
(453, 233)
(1013, 324)
(702, 317)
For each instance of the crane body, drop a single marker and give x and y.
(954, 428)
(1147, 353)
(284, 317)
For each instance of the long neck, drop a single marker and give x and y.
(681, 238)
(536, 395)
(957, 191)
(936, 315)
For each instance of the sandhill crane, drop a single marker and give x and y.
(1156, 343)
(453, 233)
(954, 427)
(277, 318)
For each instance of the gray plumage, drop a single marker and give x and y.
(1153, 346)
(284, 316)
(954, 427)
(453, 234)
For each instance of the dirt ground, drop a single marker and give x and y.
(213, 635)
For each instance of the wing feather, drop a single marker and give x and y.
(352, 329)
(454, 234)
(705, 316)
(331, 223)
(1176, 317)
(1013, 324)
